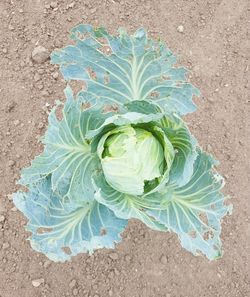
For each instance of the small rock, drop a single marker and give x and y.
(40, 87)
(16, 122)
(13, 209)
(93, 10)
(2, 218)
(55, 75)
(11, 106)
(5, 245)
(40, 54)
(75, 292)
(11, 28)
(180, 29)
(37, 77)
(113, 256)
(40, 125)
(5, 51)
(72, 284)
(53, 4)
(71, 5)
(37, 282)
(46, 264)
(11, 163)
(163, 259)
(127, 258)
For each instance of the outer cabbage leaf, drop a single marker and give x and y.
(124, 206)
(178, 135)
(67, 154)
(61, 230)
(194, 211)
(125, 68)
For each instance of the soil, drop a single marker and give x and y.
(211, 39)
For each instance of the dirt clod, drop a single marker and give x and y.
(40, 54)
(37, 282)
(180, 29)
(113, 256)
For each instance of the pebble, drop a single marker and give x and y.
(72, 284)
(16, 122)
(40, 87)
(113, 256)
(11, 163)
(5, 245)
(75, 292)
(40, 54)
(37, 282)
(40, 125)
(37, 77)
(55, 75)
(5, 51)
(163, 259)
(53, 4)
(46, 264)
(2, 218)
(180, 29)
(11, 28)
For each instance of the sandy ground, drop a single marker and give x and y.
(214, 45)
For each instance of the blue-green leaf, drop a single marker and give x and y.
(67, 154)
(125, 68)
(61, 229)
(185, 149)
(178, 135)
(194, 211)
(125, 206)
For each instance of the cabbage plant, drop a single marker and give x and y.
(120, 151)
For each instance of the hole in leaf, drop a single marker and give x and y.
(192, 233)
(78, 86)
(154, 94)
(105, 49)
(106, 78)
(110, 108)
(66, 250)
(207, 235)
(59, 112)
(91, 73)
(42, 230)
(179, 84)
(82, 36)
(85, 105)
(103, 231)
(165, 77)
(203, 218)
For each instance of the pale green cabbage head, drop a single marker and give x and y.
(132, 159)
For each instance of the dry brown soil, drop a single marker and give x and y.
(214, 45)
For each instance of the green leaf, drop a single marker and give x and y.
(125, 206)
(184, 145)
(60, 229)
(67, 154)
(194, 211)
(178, 135)
(125, 68)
